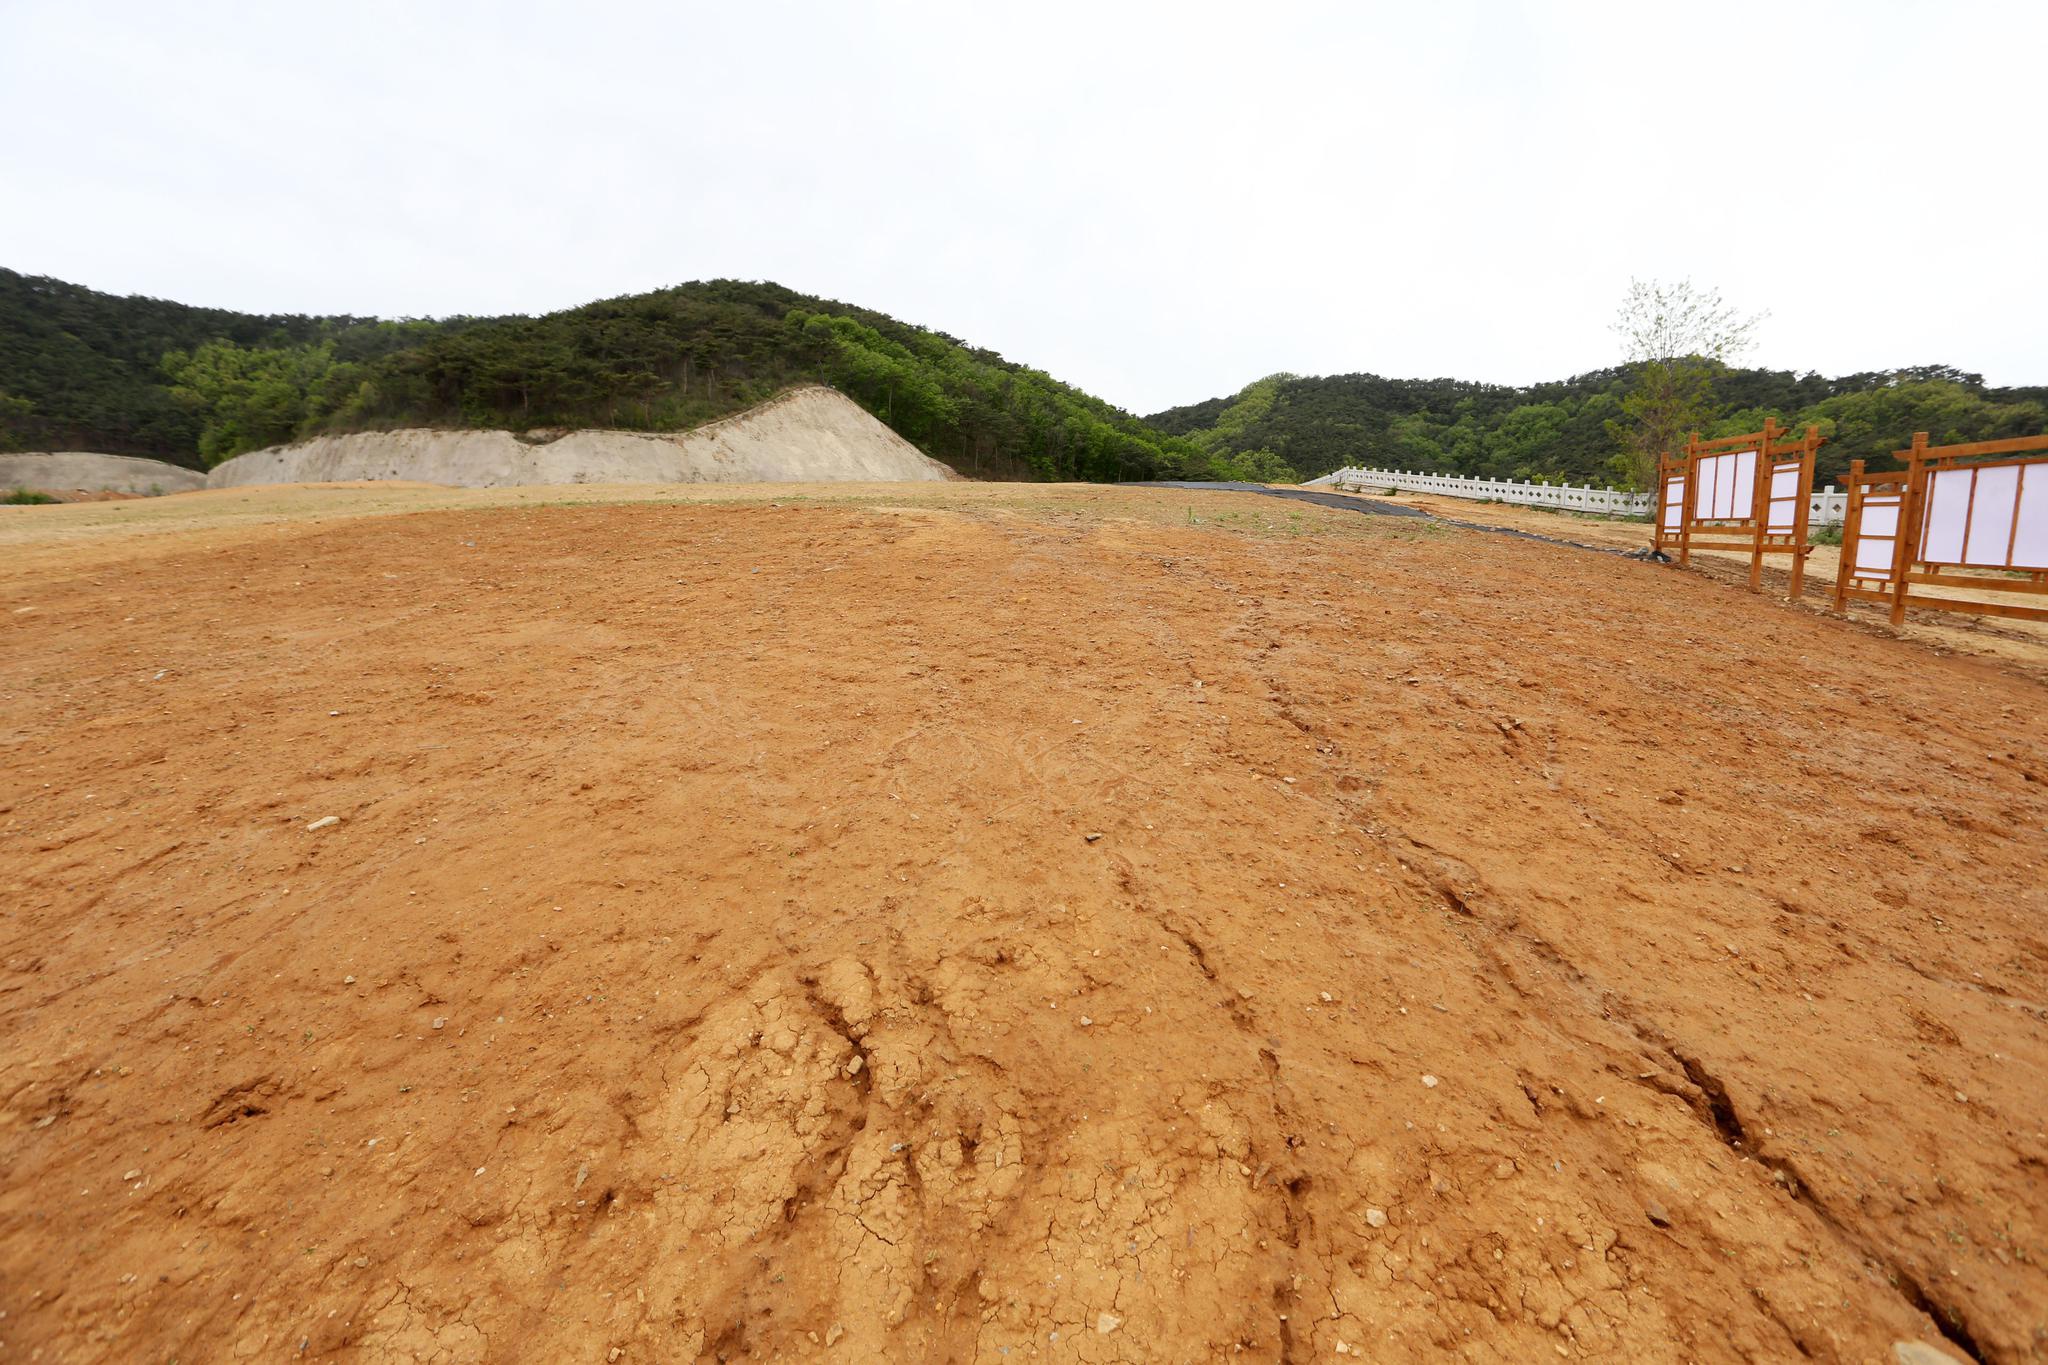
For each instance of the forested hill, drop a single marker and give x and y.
(1560, 431)
(82, 370)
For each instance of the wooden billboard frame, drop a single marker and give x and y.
(1775, 451)
(1909, 486)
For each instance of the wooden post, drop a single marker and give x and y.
(1852, 531)
(1658, 505)
(1760, 504)
(1809, 449)
(1692, 493)
(1910, 507)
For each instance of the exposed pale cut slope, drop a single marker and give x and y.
(809, 435)
(87, 471)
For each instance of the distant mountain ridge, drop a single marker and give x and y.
(1558, 430)
(84, 370)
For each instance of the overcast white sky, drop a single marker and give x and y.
(1159, 204)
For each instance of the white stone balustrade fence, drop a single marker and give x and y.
(1827, 509)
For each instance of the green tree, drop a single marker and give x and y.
(1524, 439)
(1249, 466)
(1415, 443)
(14, 415)
(1253, 404)
(247, 398)
(1871, 424)
(1677, 338)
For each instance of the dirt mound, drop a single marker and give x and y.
(83, 471)
(809, 435)
(1060, 930)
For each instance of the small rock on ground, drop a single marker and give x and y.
(1920, 1353)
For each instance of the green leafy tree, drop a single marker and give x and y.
(1677, 338)
(1249, 466)
(1872, 423)
(248, 398)
(1253, 404)
(14, 415)
(1416, 442)
(1524, 439)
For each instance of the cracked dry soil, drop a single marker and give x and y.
(1489, 951)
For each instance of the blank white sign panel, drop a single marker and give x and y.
(1782, 516)
(1987, 517)
(1727, 490)
(1874, 554)
(1878, 540)
(1948, 516)
(1991, 512)
(2030, 539)
(1674, 503)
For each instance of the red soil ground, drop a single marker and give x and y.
(1029, 925)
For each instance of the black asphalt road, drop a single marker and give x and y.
(1375, 507)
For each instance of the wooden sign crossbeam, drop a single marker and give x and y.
(1752, 492)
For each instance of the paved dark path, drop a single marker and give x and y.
(1368, 506)
(1374, 507)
